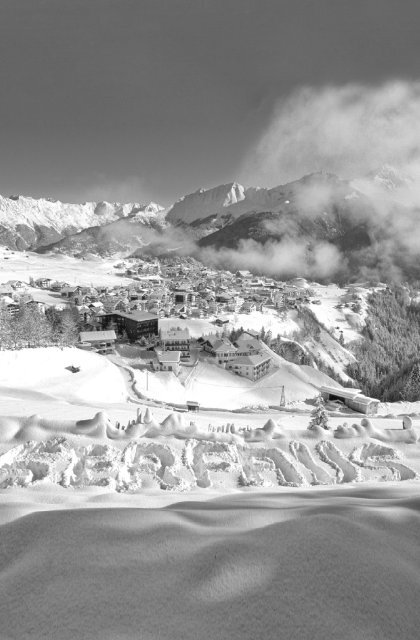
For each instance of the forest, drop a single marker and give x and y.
(388, 356)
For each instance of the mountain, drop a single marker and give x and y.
(205, 203)
(121, 236)
(369, 222)
(29, 223)
(318, 207)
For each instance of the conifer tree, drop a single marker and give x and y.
(411, 389)
(319, 415)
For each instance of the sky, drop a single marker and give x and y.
(138, 100)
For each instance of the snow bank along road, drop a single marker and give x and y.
(308, 565)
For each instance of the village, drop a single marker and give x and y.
(174, 314)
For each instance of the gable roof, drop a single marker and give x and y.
(251, 361)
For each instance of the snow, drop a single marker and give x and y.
(205, 202)
(337, 320)
(85, 272)
(43, 371)
(176, 528)
(60, 216)
(270, 320)
(215, 387)
(308, 564)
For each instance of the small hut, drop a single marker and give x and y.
(193, 406)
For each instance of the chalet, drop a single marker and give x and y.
(58, 286)
(248, 307)
(16, 284)
(84, 312)
(352, 398)
(6, 300)
(6, 291)
(43, 283)
(253, 367)
(69, 292)
(220, 348)
(36, 305)
(221, 322)
(169, 361)
(99, 341)
(248, 345)
(176, 339)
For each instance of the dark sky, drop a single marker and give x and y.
(151, 99)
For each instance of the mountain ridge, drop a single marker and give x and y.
(28, 223)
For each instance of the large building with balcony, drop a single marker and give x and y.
(175, 339)
(252, 367)
(136, 324)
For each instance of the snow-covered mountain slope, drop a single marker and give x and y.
(29, 223)
(206, 202)
(120, 236)
(230, 201)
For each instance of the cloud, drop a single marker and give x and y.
(348, 130)
(286, 258)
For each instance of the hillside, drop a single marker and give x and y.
(389, 350)
(119, 236)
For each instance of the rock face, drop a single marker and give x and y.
(206, 203)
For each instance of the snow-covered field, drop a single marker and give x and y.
(44, 373)
(308, 565)
(85, 272)
(214, 387)
(343, 319)
(173, 525)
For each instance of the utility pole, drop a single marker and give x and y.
(282, 397)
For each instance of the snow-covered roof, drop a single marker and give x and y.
(168, 356)
(97, 336)
(341, 392)
(253, 360)
(362, 399)
(138, 316)
(175, 333)
(223, 345)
